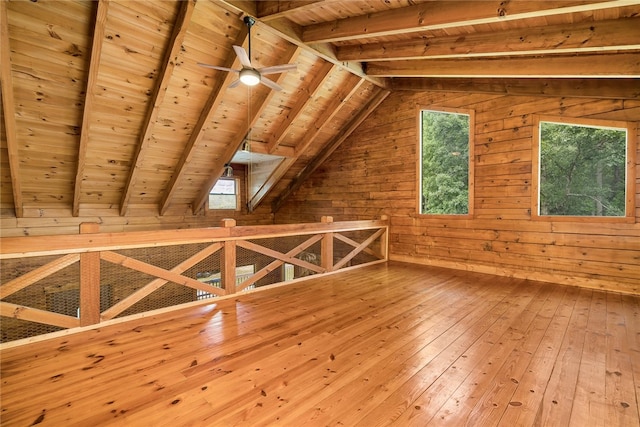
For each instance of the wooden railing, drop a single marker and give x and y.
(92, 249)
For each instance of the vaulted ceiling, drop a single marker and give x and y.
(105, 108)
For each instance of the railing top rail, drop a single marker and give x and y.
(16, 247)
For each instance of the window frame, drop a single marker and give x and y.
(237, 194)
(471, 174)
(630, 166)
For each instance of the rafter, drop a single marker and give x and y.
(615, 34)
(439, 15)
(272, 9)
(592, 65)
(162, 83)
(576, 88)
(96, 51)
(330, 148)
(262, 101)
(212, 104)
(303, 99)
(9, 108)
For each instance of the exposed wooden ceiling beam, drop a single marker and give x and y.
(210, 107)
(262, 100)
(330, 111)
(9, 109)
(330, 148)
(615, 34)
(94, 65)
(447, 14)
(588, 65)
(260, 147)
(162, 83)
(273, 9)
(302, 100)
(577, 88)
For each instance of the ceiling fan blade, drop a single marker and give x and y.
(277, 69)
(215, 67)
(242, 56)
(270, 83)
(235, 83)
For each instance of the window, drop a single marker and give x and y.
(584, 168)
(446, 162)
(225, 195)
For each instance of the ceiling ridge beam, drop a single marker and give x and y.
(159, 91)
(218, 167)
(96, 51)
(440, 15)
(321, 77)
(297, 182)
(613, 34)
(9, 109)
(210, 107)
(569, 87)
(589, 65)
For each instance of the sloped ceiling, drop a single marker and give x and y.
(104, 106)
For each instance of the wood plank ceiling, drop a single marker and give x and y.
(104, 106)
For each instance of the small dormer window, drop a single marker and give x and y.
(225, 195)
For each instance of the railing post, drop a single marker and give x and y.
(326, 254)
(384, 239)
(89, 280)
(228, 264)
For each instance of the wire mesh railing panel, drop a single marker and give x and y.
(16, 329)
(170, 294)
(59, 293)
(124, 282)
(248, 260)
(284, 245)
(372, 252)
(312, 255)
(206, 271)
(137, 280)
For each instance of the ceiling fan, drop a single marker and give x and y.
(248, 74)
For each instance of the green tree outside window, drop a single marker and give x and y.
(582, 170)
(445, 163)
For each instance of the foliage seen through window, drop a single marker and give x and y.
(445, 163)
(582, 170)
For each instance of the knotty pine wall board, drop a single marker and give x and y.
(501, 238)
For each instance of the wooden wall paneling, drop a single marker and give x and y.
(500, 238)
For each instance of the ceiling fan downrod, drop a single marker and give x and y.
(249, 21)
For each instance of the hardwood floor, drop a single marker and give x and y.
(391, 344)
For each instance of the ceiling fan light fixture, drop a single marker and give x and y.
(249, 76)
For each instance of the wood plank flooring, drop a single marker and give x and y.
(391, 344)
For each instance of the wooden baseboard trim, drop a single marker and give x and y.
(540, 276)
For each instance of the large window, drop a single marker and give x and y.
(446, 162)
(583, 168)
